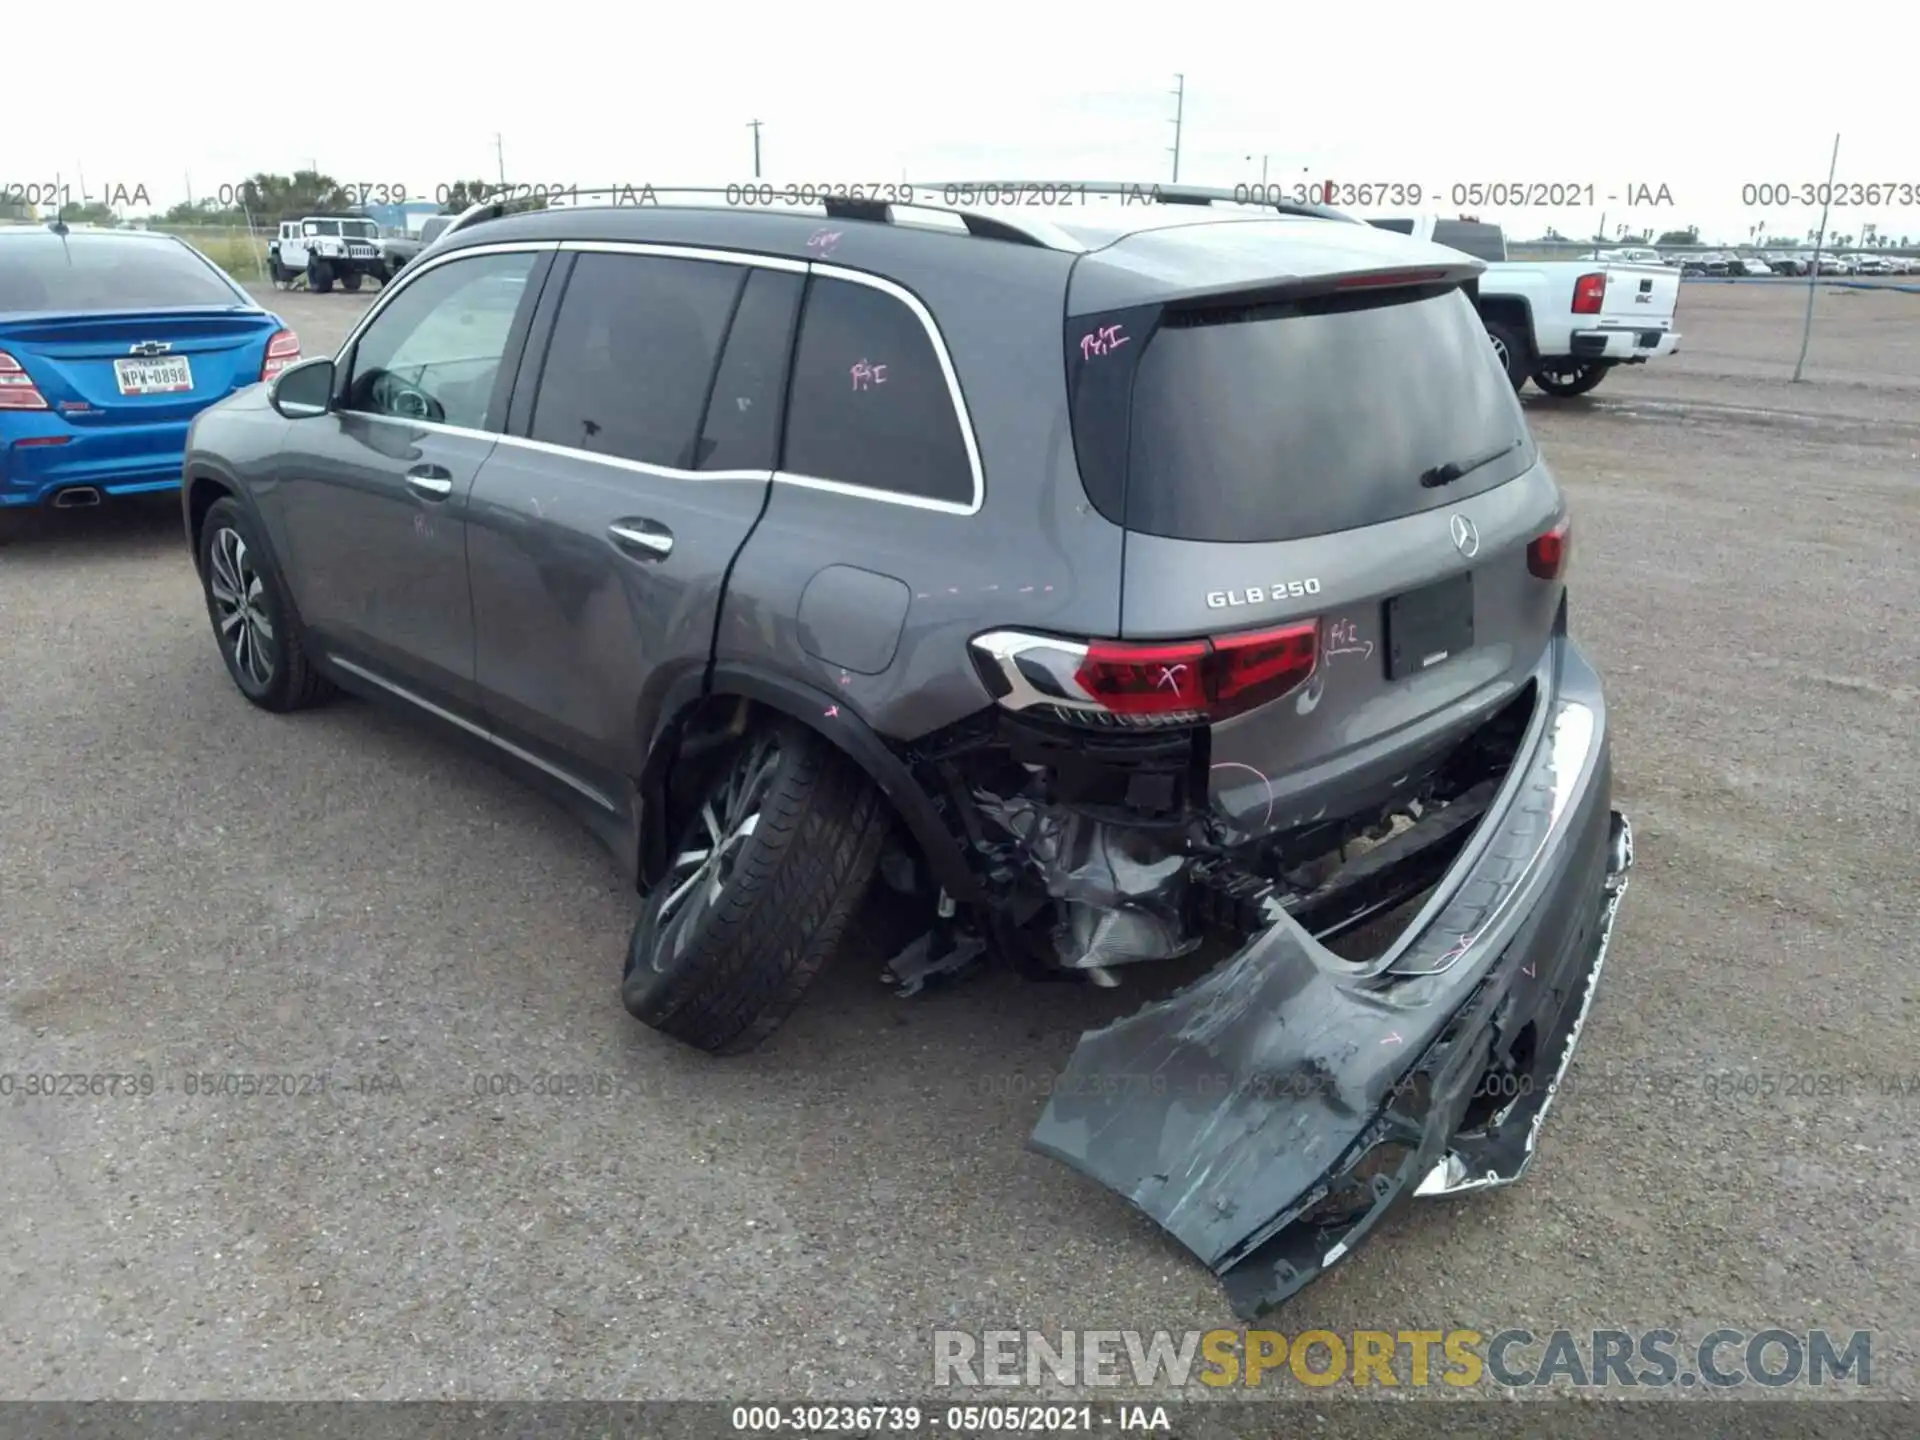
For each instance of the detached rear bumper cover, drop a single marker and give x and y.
(1270, 1115)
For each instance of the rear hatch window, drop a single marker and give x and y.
(85, 273)
(1300, 418)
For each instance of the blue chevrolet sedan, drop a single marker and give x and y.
(111, 341)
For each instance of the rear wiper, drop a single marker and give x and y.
(1451, 471)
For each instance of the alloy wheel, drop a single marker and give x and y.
(239, 600)
(1500, 351)
(698, 876)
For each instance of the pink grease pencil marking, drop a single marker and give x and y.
(1102, 341)
(866, 376)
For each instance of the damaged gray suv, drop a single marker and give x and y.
(1156, 573)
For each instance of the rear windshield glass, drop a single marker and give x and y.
(1290, 420)
(105, 272)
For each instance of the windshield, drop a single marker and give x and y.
(322, 227)
(93, 272)
(1288, 420)
(361, 229)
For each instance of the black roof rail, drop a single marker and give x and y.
(1155, 192)
(1024, 229)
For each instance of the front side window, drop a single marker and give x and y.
(435, 352)
(633, 357)
(870, 403)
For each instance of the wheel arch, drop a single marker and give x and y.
(207, 485)
(712, 696)
(1515, 313)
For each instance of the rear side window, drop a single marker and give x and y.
(870, 404)
(1483, 242)
(1399, 227)
(633, 355)
(38, 273)
(742, 430)
(1290, 420)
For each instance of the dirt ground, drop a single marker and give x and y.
(194, 886)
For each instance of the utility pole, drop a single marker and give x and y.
(1263, 168)
(1179, 94)
(500, 155)
(754, 125)
(1813, 270)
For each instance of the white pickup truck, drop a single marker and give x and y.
(1561, 323)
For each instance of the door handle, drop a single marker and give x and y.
(433, 482)
(642, 539)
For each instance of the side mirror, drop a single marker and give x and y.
(304, 390)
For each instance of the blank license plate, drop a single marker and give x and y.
(165, 375)
(1426, 626)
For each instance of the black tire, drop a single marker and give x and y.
(350, 281)
(1512, 350)
(721, 975)
(319, 276)
(277, 675)
(1568, 380)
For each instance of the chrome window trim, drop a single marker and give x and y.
(687, 252)
(565, 777)
(424, 264)
(640, 467)
(961, 413)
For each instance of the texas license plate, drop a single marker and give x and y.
(164, 375)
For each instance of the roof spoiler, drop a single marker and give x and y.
(1280, 289)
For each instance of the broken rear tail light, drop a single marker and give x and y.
(17, 390)
(1158, 683)
(1548, 555)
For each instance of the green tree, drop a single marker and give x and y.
(1688, 236)
(201, 212)
(271, 198)
(93, 212)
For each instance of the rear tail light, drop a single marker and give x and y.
(1549, 555)
(283, 350)
(1588, 293)
(17, 390)
(1116, 683)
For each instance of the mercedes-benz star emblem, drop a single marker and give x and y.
(1466, 539)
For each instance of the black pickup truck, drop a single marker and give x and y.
(397, 250)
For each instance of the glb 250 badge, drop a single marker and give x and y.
(1262, 594)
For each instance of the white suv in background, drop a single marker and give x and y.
(327, 248)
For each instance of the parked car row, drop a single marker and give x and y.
(1775, 262)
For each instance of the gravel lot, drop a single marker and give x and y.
(192, 886)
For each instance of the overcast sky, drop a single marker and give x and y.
(1701, 98)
